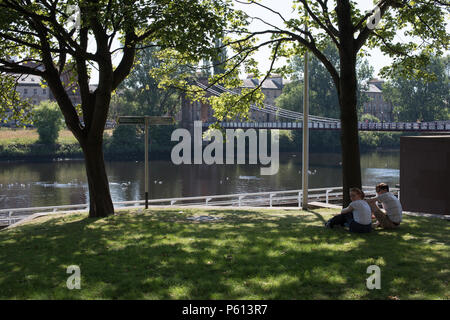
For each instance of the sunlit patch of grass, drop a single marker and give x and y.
(248, 254)
(30, 136)
(18, 136)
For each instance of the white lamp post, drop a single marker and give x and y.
(305, 151)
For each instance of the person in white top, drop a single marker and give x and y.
(393, 216)
(357, 216)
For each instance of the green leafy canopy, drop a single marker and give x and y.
(50, 37)
(409, 32)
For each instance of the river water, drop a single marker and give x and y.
(34, 184)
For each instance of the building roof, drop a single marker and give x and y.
(373, 89)
(377, 82)
(29, 79)
(269, 83)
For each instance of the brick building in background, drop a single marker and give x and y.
(30, 87)
(377, 105)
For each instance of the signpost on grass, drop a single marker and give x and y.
(146, 121)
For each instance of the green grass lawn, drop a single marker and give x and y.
(29, 136)
(22, 144)
(248, 254)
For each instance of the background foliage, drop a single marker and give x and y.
(48, 120)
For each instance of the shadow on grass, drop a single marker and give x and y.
(318, 216)
(245, 255)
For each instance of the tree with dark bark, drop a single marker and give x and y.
(48, 38)
(422, 24)
(351, 30)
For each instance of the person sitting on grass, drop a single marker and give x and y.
(356, 216)
(393, 216)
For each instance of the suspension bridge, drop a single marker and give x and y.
(293, 120)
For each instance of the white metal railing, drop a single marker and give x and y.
(267, 198)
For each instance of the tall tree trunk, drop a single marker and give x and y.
(351, 166)
(100, 202)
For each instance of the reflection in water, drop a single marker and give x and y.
(64, 182)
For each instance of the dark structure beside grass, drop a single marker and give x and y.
(425, 174)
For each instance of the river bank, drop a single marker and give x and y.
(23, 144)
(66, 151)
